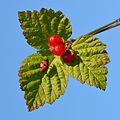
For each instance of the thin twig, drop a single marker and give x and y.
(105, 27)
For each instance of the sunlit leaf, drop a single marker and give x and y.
(42, 87)
(39, 25)
(90, 59)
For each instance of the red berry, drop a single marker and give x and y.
(54, 40)
(68, 57)
(52, 49)
(59, 50)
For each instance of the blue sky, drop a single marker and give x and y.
(80, 102)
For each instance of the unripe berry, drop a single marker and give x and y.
(68, 57)
(54, 40)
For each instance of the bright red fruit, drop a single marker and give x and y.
(54, 40)
(59, 50)
(68, 57)
(52, 49)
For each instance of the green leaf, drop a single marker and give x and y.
(90, 59)
(39, 25)
(42, 87)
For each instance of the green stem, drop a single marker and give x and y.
(105, 27)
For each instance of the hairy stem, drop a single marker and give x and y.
(105, 27)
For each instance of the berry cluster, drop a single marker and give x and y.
(57, 47)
